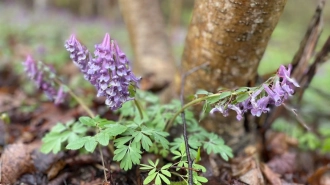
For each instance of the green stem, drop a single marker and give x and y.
(90, 113)
(198, 100)
(139, 107)
(83, 105)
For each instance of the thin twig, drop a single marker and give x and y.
(185, 135)
(102, 159)
(300, 119)
(184, 168)
(194, 102)
(0, 169)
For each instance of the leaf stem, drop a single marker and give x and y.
(83, 105)
(196, 101)
(139, 107)
(90, 113)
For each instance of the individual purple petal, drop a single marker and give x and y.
(238, 111)
(220, 109)
(60, 96)
(253, 97)
(262, 104)
(288, 89)
(278, 89)
(278, 100)
(285, 74)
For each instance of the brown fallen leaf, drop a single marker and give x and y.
(321, 176)
(271, 176)
(276, 143)
(15, 161)
(247, 170)
(283, 164)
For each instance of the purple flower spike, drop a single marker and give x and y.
(278, 90)
(42, 77)
(108, 71)
(79, 55)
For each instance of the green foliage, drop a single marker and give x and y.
(60, 134)
(224, 97)
(128, 155)
(324, 130)
(158, 175)
(307, 140)
(132, 135)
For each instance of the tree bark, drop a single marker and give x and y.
(152, 52)
(231, 36)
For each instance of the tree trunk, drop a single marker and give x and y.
(152, 53)
(231, 36)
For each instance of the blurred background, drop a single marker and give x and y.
(40, 28)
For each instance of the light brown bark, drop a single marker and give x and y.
(231, 36)
(152, 52)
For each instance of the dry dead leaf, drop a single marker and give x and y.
(284, 163)
(321, 176)
(248, 171)
(276, 143)
(15, 161)
(271, 176)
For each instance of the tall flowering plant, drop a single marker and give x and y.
(109, 71)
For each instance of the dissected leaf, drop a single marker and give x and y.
(90, 144)
(115, 129)
(87, 121)
(127, 155)
(103, 138)
(149, 178)
(76, 144)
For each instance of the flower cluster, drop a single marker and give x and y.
(277, 92)
(43, 77)
(108, 71)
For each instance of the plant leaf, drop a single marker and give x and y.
(76, 144)
(87, 121)
(103, 138)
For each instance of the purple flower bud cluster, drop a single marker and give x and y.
(277, 92)
(108, 71)
(43, 77)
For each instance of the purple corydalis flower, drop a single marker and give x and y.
(220, 109)
(278, 90)
(285, 74)
(238, 111)
(273, 95)
(79, 54)
(108, 71)
(42, 76)
(261, 107)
